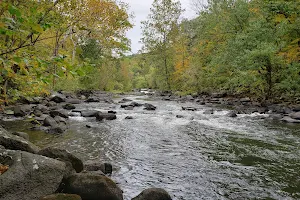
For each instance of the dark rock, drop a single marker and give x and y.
(108, 116)
(59, 119)
(209, 112)
(179, 116)
(61, 196)
(51, 104)
(29, 176)
(149, 106)
(58, 98)
(74, 114)
(92, 186)
(92, 100)
(60, 128)
(22, 135)
(89, 113)
(128, 117)
(112, 111)
(296, 108)
(88, 126)
(189, 108)
(41, 108)
(22, 110)
(49, 121)
(10, 141)
(218, 95)
(295, 115)
(64, 156)
(37, 113)
(106, 168)
(61, 113)
(125, 100)
(73, 101)
(69, 106)
(135, 104)
(153, 194)
(231, 114)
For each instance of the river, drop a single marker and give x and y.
(199, 156)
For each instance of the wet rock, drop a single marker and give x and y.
(112, 111)
(10, 141)
(295, 115)
(89, 113)
(92, 186)
(107, 116)
(73, 101)
(135, 104)
(296, 108)
(22, 135)
(59, 119)
(50, 121)
(129, 108)
(29, 176)
(125, 100)
(153, 194)
(231, 114)
(61, 196)
(149, 106)
(51, 104)
(68, 106)
(58, 98)
(128, 117)
(179, 116)
(61, 113)
(288, 119)
(218, 95)
(92, 100)
(37, 113)
(74, 114)
(22, 110)
(189, 108)
(88, 126)
(64, 156)
(60, 128)
(106, 168)
(209, 112)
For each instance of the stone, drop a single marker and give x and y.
(288, 119)
(59, 119)
(61, 113)
(61, 196)
(13, 142)
(29, 176)
(231, 114)
(107, 116)
(106, 168)
(64, 156)
(153, 194)
(73, 101)
(92, 186)
(41, 108)
(68, 106)
(128, 117)
(209, 112)
(125, 100)
(89, 113)
(295, 115)
(58, 98)
(92, 100)
(179, 116)
(189, 108)
(149, 106)
(50, 121)
(22, 110)
(22, 135)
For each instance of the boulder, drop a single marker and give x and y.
(295, 115)
(231, 114)
(108, 116)
(41, 108)
(129, 108)
(128, 117)
(89, 113)
(106, 168)
(60, 128)
(288, 119)
(59, 119)
(68, 106)
(61, 113)
(112, 111)
(149, 106)
(92, 186)
(60, 196)
(59, 98)
(22, 135)
(13, 142)
(29, 176)
(50, 121)
(135, 104)
(92, 100)
(22, 110)
(153, 194)
(179, 116)
(37, 113)
(64, 156)
(209, 112)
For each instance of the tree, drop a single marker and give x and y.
(158, 34)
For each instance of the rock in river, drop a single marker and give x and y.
(108, 116)
(153, 194)
(29, 176)
(92, 186)
(149, 106)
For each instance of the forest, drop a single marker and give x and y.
(241, 47)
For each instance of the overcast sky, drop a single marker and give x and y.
(141, 9)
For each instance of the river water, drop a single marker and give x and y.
(198, 156)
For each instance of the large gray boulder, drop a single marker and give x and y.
(22, 110)
(89, 113)
(108, 116)
(13, 142)
(153, 194)
(58, 98)
(64, 156)
(29, 176)
(149, 106)
(92, 186)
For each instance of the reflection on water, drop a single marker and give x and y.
(195, 157)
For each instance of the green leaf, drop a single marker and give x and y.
(14, 11)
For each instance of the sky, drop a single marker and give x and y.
(141, 9)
